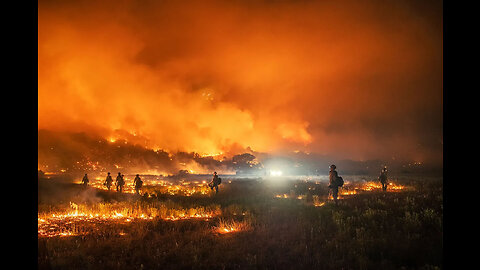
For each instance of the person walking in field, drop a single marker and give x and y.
(85, 180)
(137, 182)
(108, 181)
(215, 182)
(383, 178)
(334, 182)
(119, 182)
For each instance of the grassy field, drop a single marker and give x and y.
(249, 224)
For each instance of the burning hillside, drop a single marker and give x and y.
(76, 153)
(234, 76)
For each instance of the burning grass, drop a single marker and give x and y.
(317, 201)
(348, 189)
(157, 186)
(81, 219)
(231, 226)
(194, 188)
(245, 226)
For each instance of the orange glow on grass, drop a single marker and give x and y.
(231, 226)
(80, 218)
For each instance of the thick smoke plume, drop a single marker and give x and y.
(345, 79)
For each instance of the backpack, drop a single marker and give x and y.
(219, 181)
(339, 181)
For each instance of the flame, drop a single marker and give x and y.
(231, 226)
(70, 223)
(152, 186)
(350, 189)
(370, 186)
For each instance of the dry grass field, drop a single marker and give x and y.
(272, 223)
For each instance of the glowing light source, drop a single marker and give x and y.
(275, 173)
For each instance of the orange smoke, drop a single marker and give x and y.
(219, 76)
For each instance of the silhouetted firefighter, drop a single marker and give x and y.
(215, 182)
(85, 180)
(383, 178)
(334, 183)
(138, 184)
(119, 182)
(108, 181)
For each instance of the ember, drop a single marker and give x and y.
(231, 226)
(157, 186)
(349, 188)
(83, 217)
(352, 189)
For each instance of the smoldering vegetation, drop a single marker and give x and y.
(73, 154)
(78, 152)
(371, 230)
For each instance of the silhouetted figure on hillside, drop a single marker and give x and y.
(215, 182)
(383, 178)
(137, 182)
(333, 185)
(119, 182)
(108, 181)
(85, 180)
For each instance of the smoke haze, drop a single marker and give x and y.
(342, 79)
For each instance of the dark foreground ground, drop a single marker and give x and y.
(373, 230)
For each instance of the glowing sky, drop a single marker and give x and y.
(350, 79)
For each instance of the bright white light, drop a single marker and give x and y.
(275, 173)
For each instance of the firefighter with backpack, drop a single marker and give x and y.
(108, 181)
(335, 182)
(119, 182)
(137, 182)
(383, 178)
(215, 182)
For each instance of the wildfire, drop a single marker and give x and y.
(286, 196)
(83, 218)
(370, 186)
(156, 186)
(347, 190)
(231, 226)
(216, 156)
(199, 216)
(226, 230)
